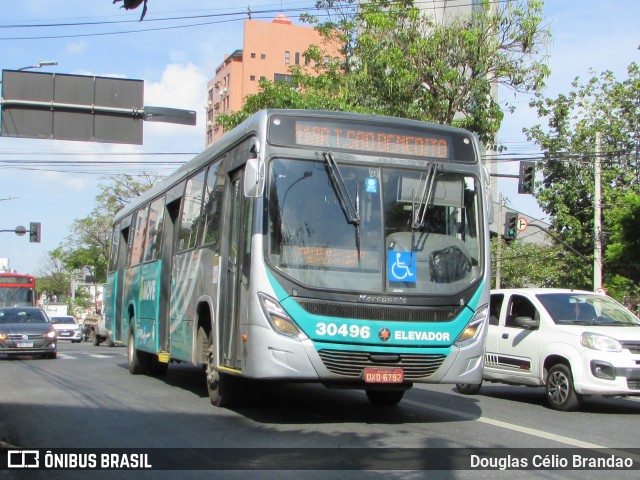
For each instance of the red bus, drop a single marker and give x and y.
(17, 289)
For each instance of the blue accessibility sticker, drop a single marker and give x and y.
(401, 266)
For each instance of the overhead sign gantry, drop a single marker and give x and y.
(79, 107)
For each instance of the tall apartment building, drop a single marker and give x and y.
(269, 49)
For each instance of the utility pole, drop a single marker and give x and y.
(499, 255)
(597, 215)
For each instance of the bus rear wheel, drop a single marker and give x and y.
(137, 360)
(385, 398)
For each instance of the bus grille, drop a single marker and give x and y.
(389, 313)
(351, 364)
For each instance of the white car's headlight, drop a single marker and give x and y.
(474, 328)
(596, 341)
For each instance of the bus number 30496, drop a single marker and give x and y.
(342, 330)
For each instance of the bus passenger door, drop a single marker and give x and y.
(235, 285)
(171, 214)
(119, 284)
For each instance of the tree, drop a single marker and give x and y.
(610, 108)
(86, 248)
(529, 264)
(54, 280)
(623, 250)
(398, 61)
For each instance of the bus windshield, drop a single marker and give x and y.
(16, 297)
(378, 229)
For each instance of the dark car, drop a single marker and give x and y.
(27, 331)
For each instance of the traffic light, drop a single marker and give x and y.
(510, 228)
(34, 232)
(525, 179)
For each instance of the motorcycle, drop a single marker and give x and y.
(86, 332)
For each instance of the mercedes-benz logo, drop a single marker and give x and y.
(384, 334)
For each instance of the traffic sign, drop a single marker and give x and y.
(601, 291)
(522, 224)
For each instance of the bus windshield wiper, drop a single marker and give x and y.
(420, 207)
(337, 181)
(351, 212)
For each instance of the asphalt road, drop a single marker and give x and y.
(87, 399)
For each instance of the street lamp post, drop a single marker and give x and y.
(40, 64)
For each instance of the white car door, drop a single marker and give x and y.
(516, 345)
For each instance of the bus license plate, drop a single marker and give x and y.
(25, 345)
(383, 375)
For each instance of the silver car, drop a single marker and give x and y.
(27, 331)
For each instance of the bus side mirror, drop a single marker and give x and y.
(253, 178)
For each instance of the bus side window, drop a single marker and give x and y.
(213, 195)
(154, 230)
(139, 235)
(191, 213)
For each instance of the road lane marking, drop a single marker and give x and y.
(64, 356)
(529, 431)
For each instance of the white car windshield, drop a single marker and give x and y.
(65, 320)
(585, 309)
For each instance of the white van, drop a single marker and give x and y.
(574, 343)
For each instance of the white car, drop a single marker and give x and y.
(67, 328)
(574, 343)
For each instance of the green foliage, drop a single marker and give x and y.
(400, 62)
(623, 250)
(533, 265)
(86, 248)
(611, 108)
(56, 282)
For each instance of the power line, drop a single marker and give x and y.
(242, 15)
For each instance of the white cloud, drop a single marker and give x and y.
(75, 48)
(182, 86)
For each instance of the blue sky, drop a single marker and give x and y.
(176, 64)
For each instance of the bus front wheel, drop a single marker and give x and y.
(224, 390)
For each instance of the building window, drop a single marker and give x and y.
(287, 57)
(253, 55)
(281, 77)
(297, 58)
(252, 78)
(307, 60)
(262, 77)
(263, 56)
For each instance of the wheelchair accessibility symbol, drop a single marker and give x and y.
(401, 266)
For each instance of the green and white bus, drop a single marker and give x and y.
(309, 246)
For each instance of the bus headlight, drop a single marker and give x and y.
(474, 328)
(280, 321)
(3, 336)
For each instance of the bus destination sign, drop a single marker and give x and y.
(370, 138)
